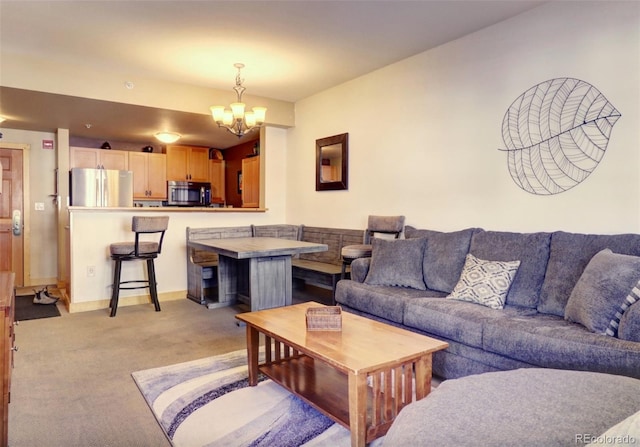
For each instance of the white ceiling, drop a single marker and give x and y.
(291, 49)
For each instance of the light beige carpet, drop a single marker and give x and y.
(72, 382)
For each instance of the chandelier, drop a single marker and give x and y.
(236, 120)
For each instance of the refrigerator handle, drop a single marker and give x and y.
(105, 190)
(98, 192)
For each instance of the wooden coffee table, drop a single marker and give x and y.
(360, 377)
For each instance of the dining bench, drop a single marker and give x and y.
(202, 265)
(323, 269)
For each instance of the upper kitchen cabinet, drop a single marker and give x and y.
(217, 179)
(188, 163)
(149, 175)
(84, 157)
(251, 182)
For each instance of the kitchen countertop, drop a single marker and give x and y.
(168, 209)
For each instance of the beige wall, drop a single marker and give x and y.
(424, 133)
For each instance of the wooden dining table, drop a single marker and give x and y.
(255, 270)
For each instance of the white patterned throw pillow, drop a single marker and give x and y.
(485, 282)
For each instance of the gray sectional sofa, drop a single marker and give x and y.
(556, 306)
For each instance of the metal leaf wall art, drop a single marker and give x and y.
(556, 133)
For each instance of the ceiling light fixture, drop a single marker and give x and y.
(168, 137)
(236, 120)
(2, 118)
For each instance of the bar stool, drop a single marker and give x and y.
(376, 225)
(139, 250)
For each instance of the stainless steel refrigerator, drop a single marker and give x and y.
(101, 187)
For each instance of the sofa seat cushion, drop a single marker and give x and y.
(455, 320)
(570, 254)
(531, 249)
(444, 256)
(382, 301)
(524, 407)
(552, 342)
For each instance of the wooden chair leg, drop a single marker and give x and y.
(115, 293)
(151, 271)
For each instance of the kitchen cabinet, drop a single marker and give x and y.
(217, 179)
(251, 182)
(188, 163)
(7, 341)
(84, 157)
(149, 175)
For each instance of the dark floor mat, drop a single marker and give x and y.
(26, 310)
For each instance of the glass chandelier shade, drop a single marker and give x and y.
(236, 120)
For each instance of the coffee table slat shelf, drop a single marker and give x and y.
(323, 387)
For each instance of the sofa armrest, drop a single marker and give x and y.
(360, 268)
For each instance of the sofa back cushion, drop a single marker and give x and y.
(397, 262)
(569, 256)
(629, 328)
(531, 249)
(444, 256)
(602, 290)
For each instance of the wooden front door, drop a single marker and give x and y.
(11, 212)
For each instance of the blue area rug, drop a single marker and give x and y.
(208, 402)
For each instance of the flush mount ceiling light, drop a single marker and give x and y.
(236, 120)
(168, 137)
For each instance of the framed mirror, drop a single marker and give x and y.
(332, 155)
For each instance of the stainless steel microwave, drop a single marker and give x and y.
(188, 193)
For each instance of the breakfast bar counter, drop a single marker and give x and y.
(167, 209)
(92, 230)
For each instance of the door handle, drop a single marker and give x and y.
(16, 224)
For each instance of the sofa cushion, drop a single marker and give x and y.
(454, 320)
(631, 298)
(602, 289)
(629, 328)
(623, 431)
(570, 254)
(485, 282)
(382, 301)
(359, 269)
(532, 249)
(397, 262)
(444, 256)
(524, 407)
(550, 341)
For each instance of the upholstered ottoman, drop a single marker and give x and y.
(523, 407)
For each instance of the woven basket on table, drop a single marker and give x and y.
(327, 318)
